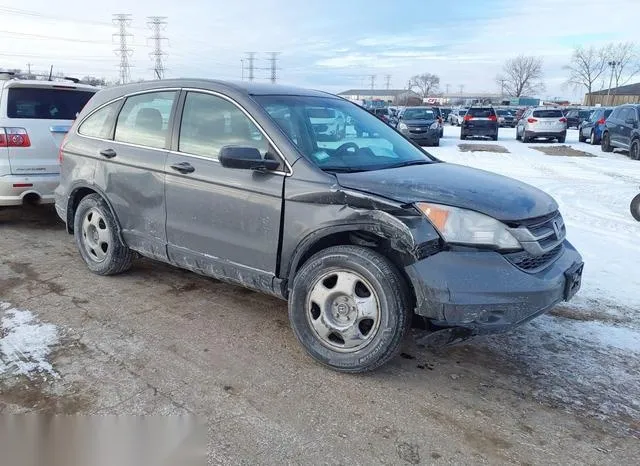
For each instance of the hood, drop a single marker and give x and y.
(500, 197)
(418, 122)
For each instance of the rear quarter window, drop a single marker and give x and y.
(46, 103)
(547, 114)
(100, 123)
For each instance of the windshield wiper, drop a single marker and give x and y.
(409, 163)
(343, 169)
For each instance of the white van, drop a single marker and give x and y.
(34, 119)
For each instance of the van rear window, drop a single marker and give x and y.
(46, 104)
(547, 113)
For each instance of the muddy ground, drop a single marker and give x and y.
(159, 340)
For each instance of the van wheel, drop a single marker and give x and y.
(634, 150)
(97, 236)
(349, 308)
(605, 144)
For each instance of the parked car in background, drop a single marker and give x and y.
(576, 116)
(328, 123)
(621, 130)
(362, 239)
(34, 119)
(446, 111)
(505, 118)
(480, 121)
(457, 115)
(440, 119)
(591, 129)
(420, 124)
(383, 113)
(519, 112)
(542, 122)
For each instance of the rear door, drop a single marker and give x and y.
(40, 115)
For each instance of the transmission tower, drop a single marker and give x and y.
(251, 57)
(387, 81)
(122, 22)
(274, 66)
(372, 81)
(157, 24)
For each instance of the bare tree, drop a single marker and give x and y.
(627, 61)
(521, 76)
(425, 84)
(92, 80)
(585, 67)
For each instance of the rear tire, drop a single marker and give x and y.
(525, 138)
(518, 137)
(605, 144)
(349, 308)
(562, 139)
(592, 139)
(97, 235)
(463, 136)
(634, 150)
(635, 207)
(494, 138)
(581, 138)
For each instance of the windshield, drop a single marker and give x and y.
(359, 142)
(418, 114)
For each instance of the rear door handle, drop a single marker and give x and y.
(108, 153)
(183, 167)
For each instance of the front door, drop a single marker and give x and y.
(221, 222)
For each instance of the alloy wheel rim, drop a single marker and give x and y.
(343, 310)
(95, 235)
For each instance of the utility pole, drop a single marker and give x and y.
(122, 21)
(157, 24)
(447, 87)
(242, 69)
(251, 56)
(461, 87)
(274, 66)
(29, 69)
(387, 81)
(372, 81)
(613, 65)
(502, 87)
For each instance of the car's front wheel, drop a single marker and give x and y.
(349, 308)
(605, 144)
(634, 150)
(635, 207)
(98, 237)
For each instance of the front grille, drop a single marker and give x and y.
(530, 263)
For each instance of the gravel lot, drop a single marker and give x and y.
(159, 340)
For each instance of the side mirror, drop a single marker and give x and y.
(247, 158)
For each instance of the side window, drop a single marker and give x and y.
(144, 119)
(100, 123)
(209, 123)
(624, 114)
(615, 114)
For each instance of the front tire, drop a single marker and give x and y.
(634, 150)
(635, 207)
(349, 308)
(605, 144)
(97, 235)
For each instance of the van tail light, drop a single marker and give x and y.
(493, 118)
(60, 151)
(468, 117)
(601, 121)
(563, 120)
(14, 137)
(531, 120)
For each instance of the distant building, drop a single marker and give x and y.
(377, 97)
(629, 94)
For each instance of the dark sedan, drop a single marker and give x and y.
(420, 124)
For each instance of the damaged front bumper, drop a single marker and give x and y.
(481, 292)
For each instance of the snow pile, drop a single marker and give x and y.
(25, 343)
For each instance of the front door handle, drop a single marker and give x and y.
(183, 167)
(108, 153)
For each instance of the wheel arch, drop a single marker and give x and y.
(76, 195)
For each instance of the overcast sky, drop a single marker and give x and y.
(325, 44)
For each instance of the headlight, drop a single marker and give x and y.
(434, 126)
(463, 226)
(403, 127)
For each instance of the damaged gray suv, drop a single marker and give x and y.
(363, 236)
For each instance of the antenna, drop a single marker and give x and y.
(122, 21)
(157, 24)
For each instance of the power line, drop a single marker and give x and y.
(19, 12)
(251, 56)
(274, 68)
(122, 21)
(157, 25)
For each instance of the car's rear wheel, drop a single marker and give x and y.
(525, 138)
(463, 136)
(592, 138)
(581, 138)
(518, 138)
(494, 138)
(635, 207)
(349, 308)
(562, 139)
(605, 144)
(97, 235)
(634, 150)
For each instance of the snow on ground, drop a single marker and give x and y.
(25, 343)
(584, 355)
